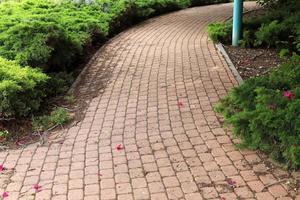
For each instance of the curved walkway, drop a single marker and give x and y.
(151, 133)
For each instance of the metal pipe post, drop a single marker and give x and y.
(237, 22)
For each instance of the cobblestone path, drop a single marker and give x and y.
(151, 133)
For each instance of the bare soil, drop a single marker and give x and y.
(253, 62)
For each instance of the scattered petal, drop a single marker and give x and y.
(4, 195)
(37, 187)
(2, 168)
(231, 182)
(288, 94)
(223, 198)
(19, 143)
(179, 104)
(119, 147)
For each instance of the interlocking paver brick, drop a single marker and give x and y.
(264, 196)
(151, 89)
(174, 193)
(159, 196)
(277, 191)
(141, 193)
(209, 192)
(75, 194)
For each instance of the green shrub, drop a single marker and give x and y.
(278, 28)
(4, 134)
(220, 32)
(21, 89)
(57, 117)
(49, 35)
(284, 53)
(264, 112)
(58, 83)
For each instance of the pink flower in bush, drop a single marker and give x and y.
(288, 94)
(4, 195)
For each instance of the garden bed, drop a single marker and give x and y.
(253, 62)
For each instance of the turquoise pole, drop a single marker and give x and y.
(237, 22)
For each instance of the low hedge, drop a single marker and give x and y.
(264, 112)
(21, 89)
(41, 33)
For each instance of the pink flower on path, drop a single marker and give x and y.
(2, 168)
(179, 104)
(4, 195)
(289, 95)
(231, 182)
(37, 187)
(223, 198)
(119, 147)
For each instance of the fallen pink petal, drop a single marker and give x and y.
(4, 195)
(119, 147)
(2, 168)
(223, 198)
(288, 94)
(37, 187)
(231, 182)
(179, 104)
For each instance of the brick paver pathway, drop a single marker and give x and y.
(151, 133)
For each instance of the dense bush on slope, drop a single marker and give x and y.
(21, 89)
(40, 33)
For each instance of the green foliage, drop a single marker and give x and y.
(284, 53)
(59, 83)
(57, 117)
(4, 134)
(49, 35)
(21, 89)
(220, 32)
(264, 117)
(278, 28)
(70, 99)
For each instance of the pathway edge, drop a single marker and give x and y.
(229, 62)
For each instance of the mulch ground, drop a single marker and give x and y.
(253, 62)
